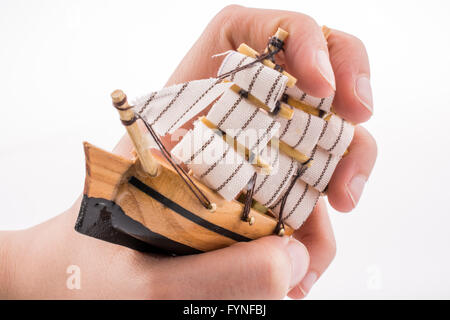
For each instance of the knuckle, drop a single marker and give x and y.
(226, 22)
(309, 20)
(355, 42)
(227, 12)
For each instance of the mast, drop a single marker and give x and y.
(128, 118)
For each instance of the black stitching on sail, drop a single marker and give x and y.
(150, 99)
(211, 168)
(300, 172)
(320, 103)
(311, 158)
(269, 95)
(325, 126)
(269, 128)
(303, 97)
(226, 151)
(267, 175)
(170, 103)
(252, 116)
(225, 117)
(236, 103)
(323, 171)
(252, 83)
(288, 124)
(184, 212)
(239, 64)
(317, 199)
(202, 148)
(286, 177)
(308, 122)
(190, 108)
(230, 177)
(297, 203)
(339, 136)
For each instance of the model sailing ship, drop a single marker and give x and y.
(255, 165)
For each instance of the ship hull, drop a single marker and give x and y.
(123, 205)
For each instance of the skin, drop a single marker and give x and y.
(34, 261)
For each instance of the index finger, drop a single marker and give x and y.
(306, 52)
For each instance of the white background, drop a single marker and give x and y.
(59, 60)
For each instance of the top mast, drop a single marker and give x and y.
(128, 118)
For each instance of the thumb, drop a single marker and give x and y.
(261, 269)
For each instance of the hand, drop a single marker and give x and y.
(36, 260)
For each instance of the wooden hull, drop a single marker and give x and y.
(122, 204)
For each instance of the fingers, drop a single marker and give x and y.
(353, 100)
(306, 52)
(317, 235)
(347, 183)
(260, 269)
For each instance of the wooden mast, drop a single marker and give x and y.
(140, 142)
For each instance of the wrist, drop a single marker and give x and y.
(5, 263)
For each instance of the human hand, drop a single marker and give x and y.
(265, 268)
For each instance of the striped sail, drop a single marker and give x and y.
(168, 109)
(239, 119)
(269, 188)
(319, 103)
(216, 162)
(266, 84)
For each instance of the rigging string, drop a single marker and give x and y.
(280, 223)
(269, 55)
(180, 171)
(278, 45)
(249, 197)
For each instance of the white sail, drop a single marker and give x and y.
(238, 118)
(322, 167)
(220, 167)
(302, 131)
(319, 103)
(168, 109)
(268, 188)
(299, 204)
(266, 84)
(337, 136)
(214, 161)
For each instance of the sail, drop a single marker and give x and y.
(214, 161)
(239, 119)
(266, 84)
(211, 154)
(322, 167)
(168, 109)
(337, 135)
(319, 103)
(302, 131)
(299, 204)
(268, 188)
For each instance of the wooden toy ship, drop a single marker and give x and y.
(255, 165)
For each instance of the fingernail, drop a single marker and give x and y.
(307, 282)
(299, 261)
(363, 91)
(355, 188)
(325, 69)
